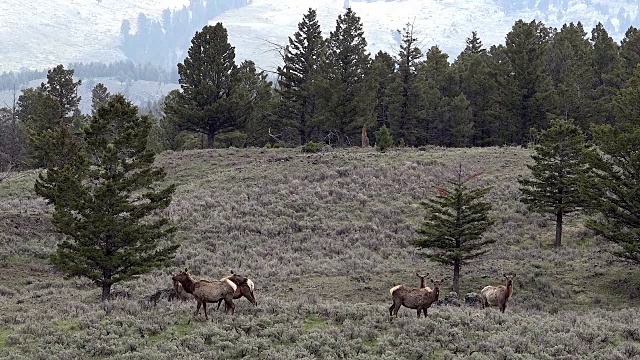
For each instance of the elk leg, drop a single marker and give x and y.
(391, 309)
(229, 305)
(197, 308)
(204, 307)
(219, 302)
(419, 311)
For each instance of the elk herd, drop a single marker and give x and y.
(236, 286)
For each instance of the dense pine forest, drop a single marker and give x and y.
(328, 89)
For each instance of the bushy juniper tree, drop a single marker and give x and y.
(456, 220)
(106, 201)
(556, 173)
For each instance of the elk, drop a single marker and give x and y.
(498, 295)
(414, 298)
(422, 277)
(207, 291)
(245, 288)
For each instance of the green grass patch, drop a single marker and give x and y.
(67, 325)
(314, 322)
(4, 334)
(180, 329)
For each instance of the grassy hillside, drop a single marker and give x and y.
(323, 236)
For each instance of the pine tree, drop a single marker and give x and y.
(406, 110)
(614, 184)
(608, 75)
(352, 91)
(60, 86)
(383, 139)
(51, 116)
(571, 72)
(456, 220)
(382, 74)
(630, 49)
(558, 169)
(207, 78)
(254, 98)
(106, 201)
(300, 75)
(474, 45)
(457, 119)
(526, 50)
(99, 96)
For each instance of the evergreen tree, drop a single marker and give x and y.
(455, 223)
(106, 201)
(437, 69)
(99, 96)
(300, 75)
(207, 77)
(60, 86)
(557, 171)
(526, 50)
(474, 45)
(352, 91)
(457, 119)
(383, 139)
(571, 72)
(608, 72)
(504, 107)
(255, 101)
(479, 86)
(382, 74)
(406, 110)
(630, 49)
(614, 184)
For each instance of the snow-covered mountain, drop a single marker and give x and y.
(41, 34)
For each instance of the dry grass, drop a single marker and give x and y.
(324, 236)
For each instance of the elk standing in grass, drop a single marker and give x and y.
(422, 277)
(498, 295)
(414, 298)
(208, 291)
(245, 288)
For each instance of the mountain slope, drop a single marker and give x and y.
(64, 31)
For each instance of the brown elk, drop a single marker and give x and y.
(414, 298)
(245, 288)
(498, 295)
(207, 291)
(422, 277)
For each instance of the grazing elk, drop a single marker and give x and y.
(414, 298)
(207, 291)
(245, 288)
(498, 295)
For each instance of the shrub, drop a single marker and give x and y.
(312, 147)
(383, 139)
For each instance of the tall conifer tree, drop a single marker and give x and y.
(106, 201)
(352, 90)
(456, 220)
(558, 169)
(207, 78)
(297, 85)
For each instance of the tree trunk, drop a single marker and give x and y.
(456, 276)
(106, 291)
(558, 241)
(210, 136)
